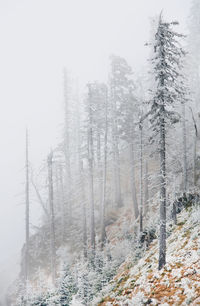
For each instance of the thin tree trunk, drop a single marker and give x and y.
(57, 193)
(133, 188)
(146, 193)
(194, 160)
(116, 170)
(174, 213)
(162, 242)
(67, 149)
(162, 147)
(116, 157)
(63, 210)
(83, 200)
(91, 186)
(103, 231)
(82, 183)
(84, 218)
(118, 198)
(52, 222)
(195, 146)
(185, 176)
(91, 179)
(141, 177)
(100, 167)
(99, 147)
(27, 212)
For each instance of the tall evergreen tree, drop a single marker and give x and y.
(166, 65)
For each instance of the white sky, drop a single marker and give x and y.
(37, 39)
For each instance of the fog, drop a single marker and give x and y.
(38, 39)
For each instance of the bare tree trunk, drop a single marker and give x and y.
(63, 210)
(162, 242)
(115, 146)
(133, 188)
(52, 222)
(185, 176)
(118, 197)
(82, 183)
(100, 166)
(91, 186)
(194, 162)
(103, 230)
(84, 218)
(27, 212)
(174, 213)
(91, 179)
(99, 148)
(116, 163)
(146, 193)
(57, 193)
(67, 149)
(195, 146)
(141, 177)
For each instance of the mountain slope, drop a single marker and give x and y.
(177, 284)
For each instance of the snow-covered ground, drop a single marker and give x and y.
(177, 284)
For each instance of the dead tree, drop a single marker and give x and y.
(27, 212)
(52, 217)
(185, 172)
(68, 179)
(82, 183)
(91, 174)
(103, 231)
(195, 147)
(132, 176)
(141, 176)
(146, 188)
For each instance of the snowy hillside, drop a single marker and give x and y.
(119, 192)
(177, 284)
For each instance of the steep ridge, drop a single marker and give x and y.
(177, 284)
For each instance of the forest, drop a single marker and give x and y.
(122, 182)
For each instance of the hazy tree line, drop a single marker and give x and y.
(129, 146)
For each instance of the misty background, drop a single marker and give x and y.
(38, 39)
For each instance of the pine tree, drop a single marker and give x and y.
(166, 66)
(68, 287)
(84, 285)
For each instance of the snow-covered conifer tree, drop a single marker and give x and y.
(166, 67)
(67, 288)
